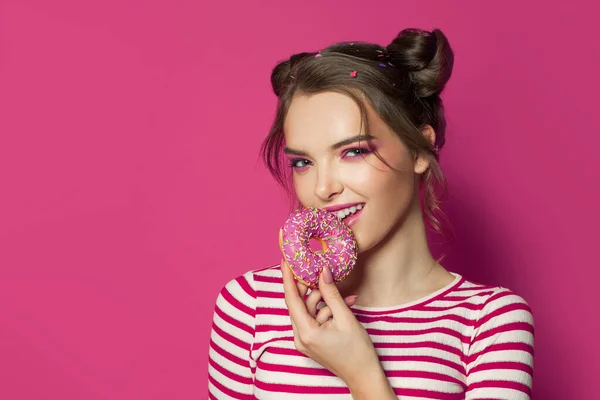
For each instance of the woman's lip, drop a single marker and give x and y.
(351, 219)
(341, 206)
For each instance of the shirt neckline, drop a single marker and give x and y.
(458, 280)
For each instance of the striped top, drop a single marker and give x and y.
(465, 341)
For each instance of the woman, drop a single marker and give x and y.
(360, 127)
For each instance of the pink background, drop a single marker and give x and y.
(131, 189)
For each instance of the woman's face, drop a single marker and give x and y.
(332, 168)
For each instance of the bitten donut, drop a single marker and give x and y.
(337, 239)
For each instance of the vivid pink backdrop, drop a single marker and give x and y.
(131, 189)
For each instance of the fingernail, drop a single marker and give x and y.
(350, 299)
(327, 277)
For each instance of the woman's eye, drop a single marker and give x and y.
(299, 163)
(359, 151)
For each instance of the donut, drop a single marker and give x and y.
(339, 247)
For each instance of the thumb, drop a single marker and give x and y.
(331, 294)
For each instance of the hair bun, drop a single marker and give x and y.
(280, 76)
(427, 58)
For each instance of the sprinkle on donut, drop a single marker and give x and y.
(339, 245)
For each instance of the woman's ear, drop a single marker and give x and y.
(421, 158)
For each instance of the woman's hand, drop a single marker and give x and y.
(333, 337)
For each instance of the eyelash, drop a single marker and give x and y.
(295, 161)
(361, 151)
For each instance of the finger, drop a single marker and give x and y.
(350, 300)
(296, 335)
(293, 301)
(331, 295)
(325, 313)
(302, 289)
(311, 302)
(294, 328)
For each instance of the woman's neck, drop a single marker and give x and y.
(400, 269)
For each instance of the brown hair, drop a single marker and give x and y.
(402, 83)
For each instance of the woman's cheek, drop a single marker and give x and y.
(360, 176)
(302, 189)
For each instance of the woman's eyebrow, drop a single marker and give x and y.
(334, 146)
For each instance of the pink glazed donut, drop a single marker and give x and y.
(337, 239)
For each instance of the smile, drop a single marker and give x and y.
(341, 214)
(344, 210)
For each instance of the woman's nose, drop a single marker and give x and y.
(328, 185)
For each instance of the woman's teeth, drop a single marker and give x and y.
(341, 214)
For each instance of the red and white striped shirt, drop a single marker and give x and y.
(465, 341)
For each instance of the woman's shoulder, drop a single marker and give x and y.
(495, 302)
(255, 281)
(238, 300)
